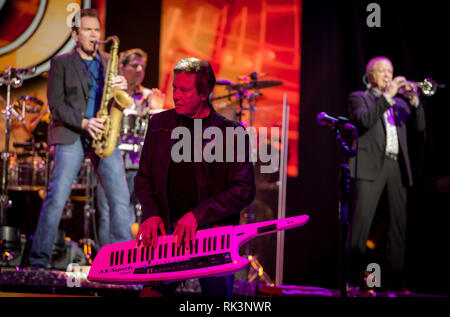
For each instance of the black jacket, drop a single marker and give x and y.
(224, 188)
(67, 93)
(366, 112)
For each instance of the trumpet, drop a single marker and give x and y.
(428, 87)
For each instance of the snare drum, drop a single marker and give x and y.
(143, 123)
(141, 128)
(129, 122)
(27, 173)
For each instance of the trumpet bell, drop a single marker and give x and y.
(428, 87)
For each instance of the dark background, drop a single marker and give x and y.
(336, 45)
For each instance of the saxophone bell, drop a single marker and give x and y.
(123, 99)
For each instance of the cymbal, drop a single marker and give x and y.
(223, 82)
(221, 97)
(32, 104)
(252, 84)
(31, 99)
(259, 84)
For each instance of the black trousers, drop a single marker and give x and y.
(368, 194)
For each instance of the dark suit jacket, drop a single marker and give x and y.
(67, 93)
(224, 188)
(366, 112)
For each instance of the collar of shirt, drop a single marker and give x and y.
(138, 90)
(377, 93)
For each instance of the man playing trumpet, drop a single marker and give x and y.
(382, 120)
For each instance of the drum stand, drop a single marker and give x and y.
(9, 236)
(9, 78)
(255, 270)
(89, 214)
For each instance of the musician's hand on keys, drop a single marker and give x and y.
(187, 226)
(93, 126)
(148, 231)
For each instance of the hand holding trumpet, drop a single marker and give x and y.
(400, 85)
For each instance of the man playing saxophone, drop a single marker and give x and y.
(75, 86)
(132, 65)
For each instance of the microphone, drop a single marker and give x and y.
(339, 122)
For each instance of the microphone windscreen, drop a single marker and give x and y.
(320, 118)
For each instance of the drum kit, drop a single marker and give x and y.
(26, 160)
(241, 97)
(245, 89)
(27, 153)
(20, 160)
(133, 129)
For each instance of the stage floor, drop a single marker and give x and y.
(23, 282)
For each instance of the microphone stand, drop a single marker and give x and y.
(10, 77)
(9, 236)
(344, 186)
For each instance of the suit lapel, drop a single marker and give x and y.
(401, 135)
(372, 102)
(80, 71)
(166, 154)
(395, 113)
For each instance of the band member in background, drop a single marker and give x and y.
(39, 128)
(185, 196)
(382, 120)
(132, 65)
(24, 125)
(74, 91)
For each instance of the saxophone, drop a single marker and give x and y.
(112, 114)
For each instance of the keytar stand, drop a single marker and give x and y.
(89, 216)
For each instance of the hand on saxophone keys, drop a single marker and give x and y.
(93, 126)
